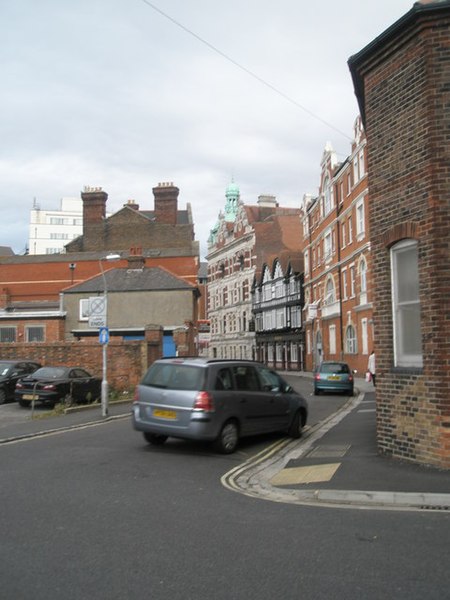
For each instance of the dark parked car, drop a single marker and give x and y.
(216, 400)
(333, 376)
(10, 373)
(58, 384)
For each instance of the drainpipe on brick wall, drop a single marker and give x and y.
(338, 243)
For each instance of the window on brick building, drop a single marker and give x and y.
(35, 333)
(84, 309)
(332, 337)
(360, 220)
(406, 304)
(344, 284)
(328, 245)
(330, 293)
(327, 197)
(8, 334)
(351, 346)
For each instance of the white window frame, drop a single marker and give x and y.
(351, 342)
(352, 280)
(330, 292)
(360, 220)
(332, 338)
(364, 336)
(84, 309)
(328, 245)
(344, 283)
(40, 328)
(409, 306)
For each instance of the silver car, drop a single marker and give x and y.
(215, 400)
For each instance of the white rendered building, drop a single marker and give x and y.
(51, 230)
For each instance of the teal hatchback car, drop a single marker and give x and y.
(333, 376)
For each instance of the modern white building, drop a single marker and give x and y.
(51, 230)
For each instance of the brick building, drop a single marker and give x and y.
(401, 80)
(30, 286)
(338, 308)
(244, 238)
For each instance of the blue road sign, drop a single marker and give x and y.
(103, 335)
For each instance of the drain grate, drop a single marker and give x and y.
(329, 451)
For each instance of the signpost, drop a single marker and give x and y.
(103, 335)
(97, 311)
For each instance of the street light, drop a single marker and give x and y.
(104, 388)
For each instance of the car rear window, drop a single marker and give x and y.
(334, 368)
(174, 377)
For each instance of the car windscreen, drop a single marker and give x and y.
(50, 373)
(333, 368)
(4, 368)
(174, 376)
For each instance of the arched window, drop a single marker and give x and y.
(351, 346)
(330, 296)
(363, 275)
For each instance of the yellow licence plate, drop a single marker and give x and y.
(30, 397)
(334, 377)
(164, 414)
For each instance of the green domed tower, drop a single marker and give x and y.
(232, 195)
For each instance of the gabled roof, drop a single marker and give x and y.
(133, 280)
(6, 251)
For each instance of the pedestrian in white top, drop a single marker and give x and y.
(371, 366)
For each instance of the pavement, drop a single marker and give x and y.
(335, 463)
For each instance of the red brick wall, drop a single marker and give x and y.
(127, 361)
(408, 131)
(34, 278)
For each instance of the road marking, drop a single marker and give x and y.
(311, 474)
(367, 410)
(43, 434)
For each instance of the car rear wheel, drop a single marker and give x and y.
(25, 403)
(228, 438)
(296, 428)
(316, 392)
(156, 439)
(2, 396)
(67, 401)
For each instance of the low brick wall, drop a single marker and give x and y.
(127, 360)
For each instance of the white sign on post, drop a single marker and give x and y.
(97, 311)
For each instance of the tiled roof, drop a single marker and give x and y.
(133, 280)
(182, 216)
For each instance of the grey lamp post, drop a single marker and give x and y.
(104, 387)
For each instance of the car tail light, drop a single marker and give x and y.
(317, 377)
(136, 395)
(49, 386)
(19, 385)
(204, 401)
(350, 377)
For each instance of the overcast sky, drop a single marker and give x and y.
(112, 93)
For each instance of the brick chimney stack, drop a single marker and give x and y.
(166, 203)
(136, 259)
(132, 204)
(94, 206)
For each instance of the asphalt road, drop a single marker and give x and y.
(98, 514)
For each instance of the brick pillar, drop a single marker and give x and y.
(153, 349)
